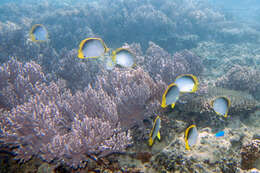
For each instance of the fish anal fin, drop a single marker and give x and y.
(159, 135)
(150, 141)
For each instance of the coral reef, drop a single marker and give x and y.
(160, 64)
(218, 57)
(250, 153)
(51, 126)
(87, 113)
(200, 103)
(209, 155)
(234, 32)
(18, 82)
(17, 44)
(190, 62)
(198, 106)
(135, 93)
(145, 15)
(241, 78)
(77, 73)
(55, 125)
(176, 25)
(49, 122)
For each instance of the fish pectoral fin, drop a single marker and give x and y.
(159, 135)
(173, 105)
(150, 141)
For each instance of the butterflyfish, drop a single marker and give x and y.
(155, 132)
(221, 106)
(191, 136)
(38, 33)
(187, 83)
(92, 48)
(170, 96)
(123, 57)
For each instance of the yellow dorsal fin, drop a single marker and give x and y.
(159, 135)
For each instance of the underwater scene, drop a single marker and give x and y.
(130, 86)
